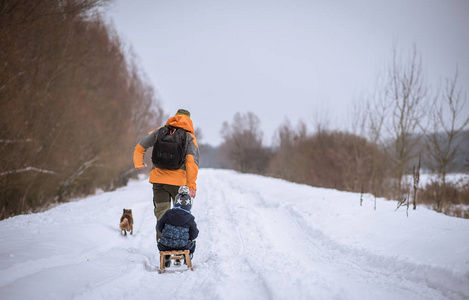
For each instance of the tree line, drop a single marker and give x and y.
(396, 128)
(72, 102)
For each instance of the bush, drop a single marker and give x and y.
(331, 159)
(451, 198)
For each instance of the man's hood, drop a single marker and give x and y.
(181, 121)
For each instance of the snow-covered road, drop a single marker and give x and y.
(260, 238)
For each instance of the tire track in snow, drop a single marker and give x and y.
(357, 267)
(220, 246)
(438, 282)
(139, 252)
(245, 251)
(274, 250)
(112, 254)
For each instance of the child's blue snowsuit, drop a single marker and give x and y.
(178, 230)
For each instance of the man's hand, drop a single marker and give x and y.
(141, 167)
(192, 193)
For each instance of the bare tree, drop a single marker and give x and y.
(369, 121)
(405, 94)
(447, 122)
(358, 175)
(415, 181)
(284, 164)
(321, 119)
(243, 143)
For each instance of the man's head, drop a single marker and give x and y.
(183, 112)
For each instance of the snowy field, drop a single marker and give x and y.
(260, 238)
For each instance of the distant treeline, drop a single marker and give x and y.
(402, 127)
(399, 129)
(345, 161)
(72, 103)
(213, 156)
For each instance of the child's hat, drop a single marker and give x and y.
(183, 199)
(184, 189)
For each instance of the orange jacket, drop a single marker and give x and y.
(187, 174)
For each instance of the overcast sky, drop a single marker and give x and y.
(295, 59)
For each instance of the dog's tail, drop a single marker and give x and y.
(124, 224)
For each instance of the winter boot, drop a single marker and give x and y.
(190, 256)
(167, 261)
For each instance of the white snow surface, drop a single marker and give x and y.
(260, 238)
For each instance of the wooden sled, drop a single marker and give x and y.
(175, 254)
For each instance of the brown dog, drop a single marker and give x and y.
(127, 222)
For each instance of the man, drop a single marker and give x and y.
(166, 182)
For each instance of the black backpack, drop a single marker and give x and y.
(170, 148)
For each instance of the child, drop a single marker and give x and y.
(177, 226)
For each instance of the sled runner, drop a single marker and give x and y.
(175, 254)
